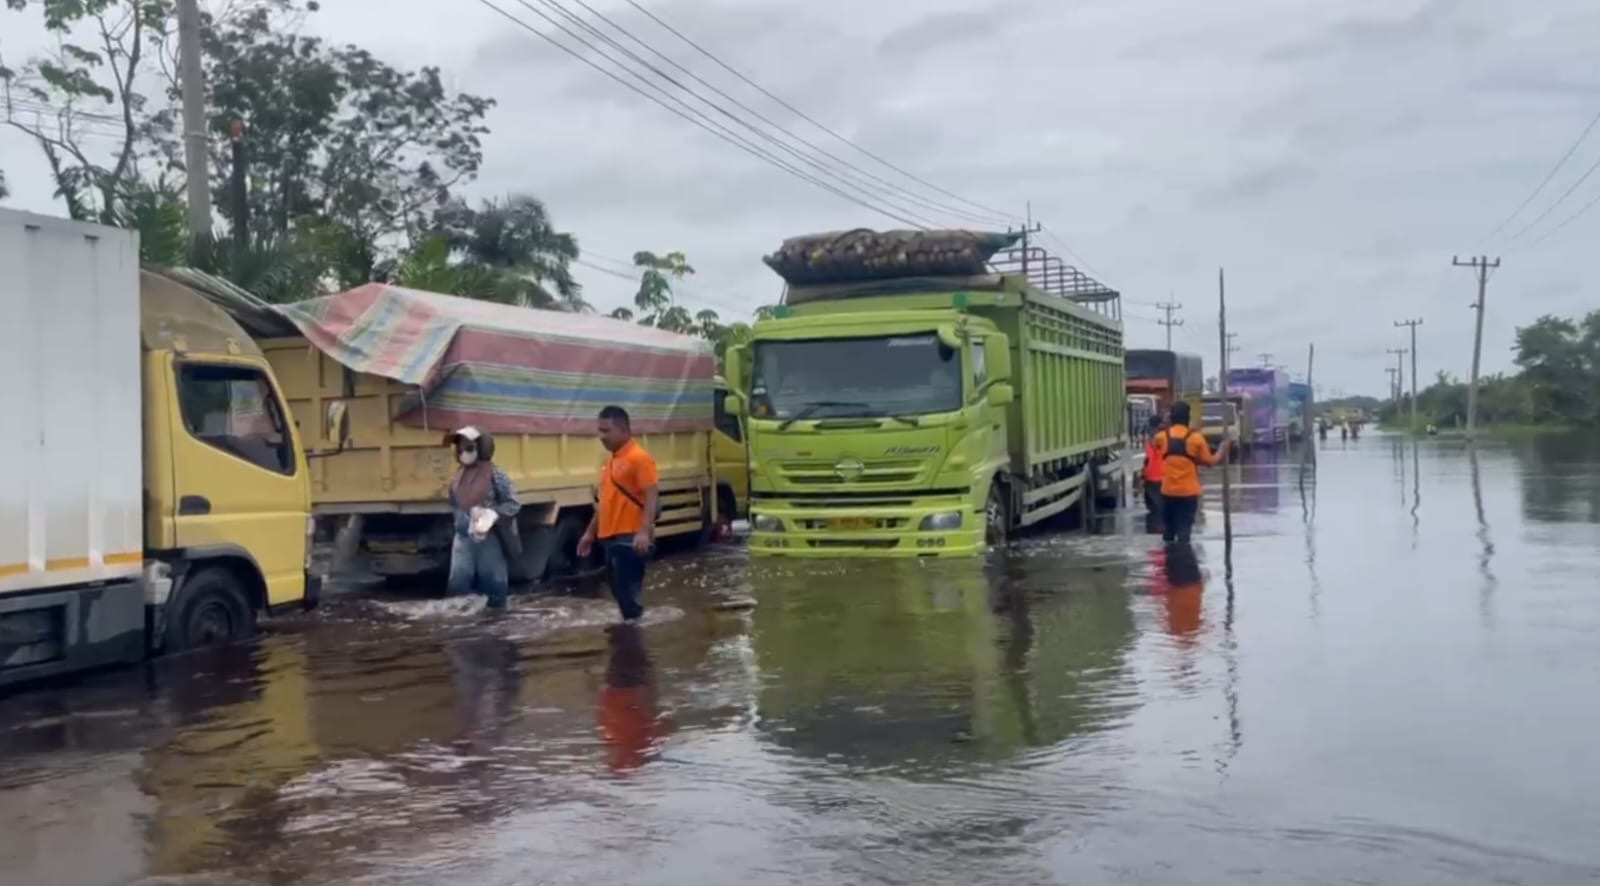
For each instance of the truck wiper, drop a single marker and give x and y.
(811, 408)
(909, 420)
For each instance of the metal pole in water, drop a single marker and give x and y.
(1227, 486)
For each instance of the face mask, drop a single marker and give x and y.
(468, 457)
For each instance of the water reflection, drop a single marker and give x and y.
(917, 668)
(631, 721)
(1560, 478)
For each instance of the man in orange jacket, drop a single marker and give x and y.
(1182, 455)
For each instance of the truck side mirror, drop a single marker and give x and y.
(733, 405)
(997, 351)
(336, 423)
(734, 368)
(1001, 394)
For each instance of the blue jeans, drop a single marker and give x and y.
(479, 566)
(626, 574)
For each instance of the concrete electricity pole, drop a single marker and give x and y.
(191, 81)
(1169, 308)
(1481, 266)
(1266, 359)
(1394, 384)
(1399, 377)
(1414, 323)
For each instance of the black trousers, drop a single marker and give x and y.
(1177, 516)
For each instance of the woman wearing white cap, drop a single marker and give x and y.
(479, 490)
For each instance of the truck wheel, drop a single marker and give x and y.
(213, 611)
(564, 561)
(997, 515)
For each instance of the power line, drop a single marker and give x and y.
(1569, 220)
(1548, 176)
(694, 117)
(757, 131)
(1010, 216)
(1559, 200)
(865, 179)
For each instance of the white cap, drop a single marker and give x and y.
(469, 433)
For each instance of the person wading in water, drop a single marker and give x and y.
(1183, 453)
(479, 561)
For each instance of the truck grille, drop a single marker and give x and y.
(874, 472)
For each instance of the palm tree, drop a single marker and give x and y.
(655, 297)
(621, 314)
(516, 237)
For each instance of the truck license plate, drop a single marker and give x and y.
(851, 524)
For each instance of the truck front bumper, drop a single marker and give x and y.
(944, 528)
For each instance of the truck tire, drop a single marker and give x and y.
(211, 610)
(564, 561)
(997, 515)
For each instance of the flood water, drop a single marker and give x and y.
(1398, 684)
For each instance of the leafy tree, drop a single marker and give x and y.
(156, 210)
(621, 314)
(335, 134)
(766, 312)
(3, 192)
(80, 103)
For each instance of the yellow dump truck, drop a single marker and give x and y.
(377, 376)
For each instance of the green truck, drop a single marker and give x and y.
(931, 403)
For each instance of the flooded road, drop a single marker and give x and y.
(1396, 685)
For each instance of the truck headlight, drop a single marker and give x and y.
(944, 521)
(764, 523)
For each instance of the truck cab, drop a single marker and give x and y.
(874, 431)
(227, 495)
(729, 458)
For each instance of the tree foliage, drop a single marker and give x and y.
(1557, 382)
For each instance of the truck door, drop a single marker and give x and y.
(239, 477)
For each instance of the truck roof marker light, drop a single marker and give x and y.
(780, 312)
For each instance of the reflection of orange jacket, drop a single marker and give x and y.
(627, 714)
(1152, 462)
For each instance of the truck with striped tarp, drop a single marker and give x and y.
(926, 394)
(382, 373)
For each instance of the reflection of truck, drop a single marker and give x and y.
(383, 372)
(1167, 375)
(1268, 389)
(158, 498)
(928, 415)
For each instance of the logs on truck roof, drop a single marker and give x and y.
(862, 254)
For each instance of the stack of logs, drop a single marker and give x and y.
(864, 254)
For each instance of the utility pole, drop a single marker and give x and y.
(1029, 227)
(1481, 266)
(1169, 307)
(1394, 385)
(195, 155)
(1266, 359)
(1413, 323)
(1399, 377)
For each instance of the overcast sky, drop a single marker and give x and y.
(1332, 156)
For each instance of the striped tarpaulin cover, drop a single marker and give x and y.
(512, 370)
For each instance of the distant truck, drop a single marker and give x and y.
(1168, 375)
(154, 496)
(1217, 411)
(1299, 396)
(928, 406)
(1268, 389)
(385, 372)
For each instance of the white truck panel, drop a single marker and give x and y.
(71, 454)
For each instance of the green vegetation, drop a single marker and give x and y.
(351, 170)
(1556, 385)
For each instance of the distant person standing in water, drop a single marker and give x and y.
(1183, 453)
(625, 517)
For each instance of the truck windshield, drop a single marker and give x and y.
(1213, 412)
(849, 377)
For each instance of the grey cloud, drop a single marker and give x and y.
(1257, 182)
(1434, 22)
(939, 31)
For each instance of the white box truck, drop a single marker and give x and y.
(153, 495)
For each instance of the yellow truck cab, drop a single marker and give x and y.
(158, 499)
